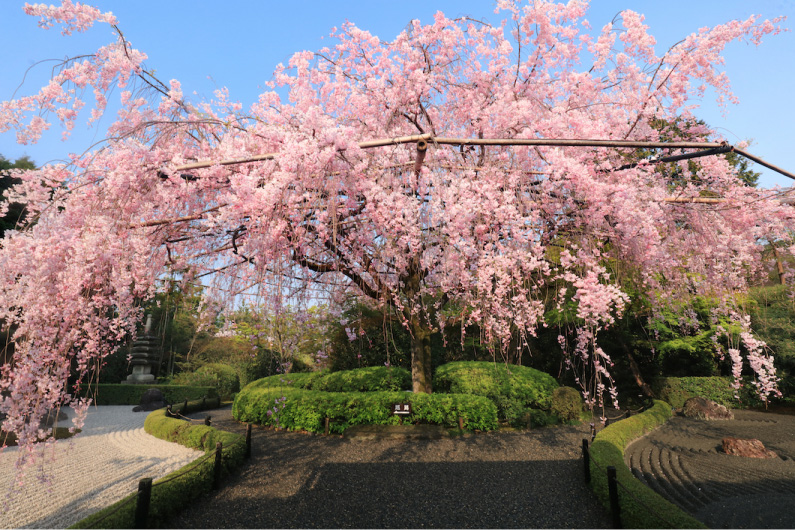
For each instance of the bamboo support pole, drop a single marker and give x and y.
(761, 162)
(694, 200)
(382, 142)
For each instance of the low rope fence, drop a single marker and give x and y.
(612, 485)
(145, 485)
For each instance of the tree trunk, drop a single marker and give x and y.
(420, 357)
(644, 387)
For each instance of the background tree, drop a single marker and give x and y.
(363, 180)
(14, 212)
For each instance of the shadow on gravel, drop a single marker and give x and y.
(413, 495)
(507, 480)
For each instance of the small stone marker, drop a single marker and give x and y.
(751, 448)
(401, 409)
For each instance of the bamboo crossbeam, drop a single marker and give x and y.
(547, 142)
(695, 200)
(571, 142)
(382, 142)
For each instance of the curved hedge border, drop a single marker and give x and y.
(168, 499)
(298, 409)
(608, 448)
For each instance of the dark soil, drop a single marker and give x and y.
(523, 479)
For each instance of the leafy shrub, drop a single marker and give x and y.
(220, 376)
(370, 379)
(305, 380)
(514, 389)
(677, 390)
(566, 403)
(178, 489)
(298, 409)
(639, 504)
(103, 394)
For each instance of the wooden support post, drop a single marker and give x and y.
(248, 440)
(461, 423)
(142, 502)
(217, 468)
(208, 421)
(185, 407)
(326, 430)
(612, 488)
(586, 458)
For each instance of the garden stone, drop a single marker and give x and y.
(751, 448)
(705, 409)
(152, 399)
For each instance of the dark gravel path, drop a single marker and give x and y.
(684, 462)
(530, 479)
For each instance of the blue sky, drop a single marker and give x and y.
(237, 44)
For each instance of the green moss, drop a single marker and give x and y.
(640, 506)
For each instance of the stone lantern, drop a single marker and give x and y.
(144, 357)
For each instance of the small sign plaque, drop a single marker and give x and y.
(402, 409)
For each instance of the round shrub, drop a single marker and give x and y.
(514, 389)
(220, 376)
(566, 403)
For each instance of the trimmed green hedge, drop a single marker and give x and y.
(369, 379)
(514, 389)
(677, 390)
(608, 448)
(109, 394)
(170, 496)
(297, 409)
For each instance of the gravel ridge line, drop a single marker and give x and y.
(88, 472)
(722, 491)
(522, 479)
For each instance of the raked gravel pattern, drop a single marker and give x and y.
(88, 472)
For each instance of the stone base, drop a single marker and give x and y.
(139, 379)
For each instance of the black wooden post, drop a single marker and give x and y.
(185, 407)
(586, 458)
(217, 468)
(612, 488)
(248, 441)
(142, 502)
(208, 421)
(204, 400)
